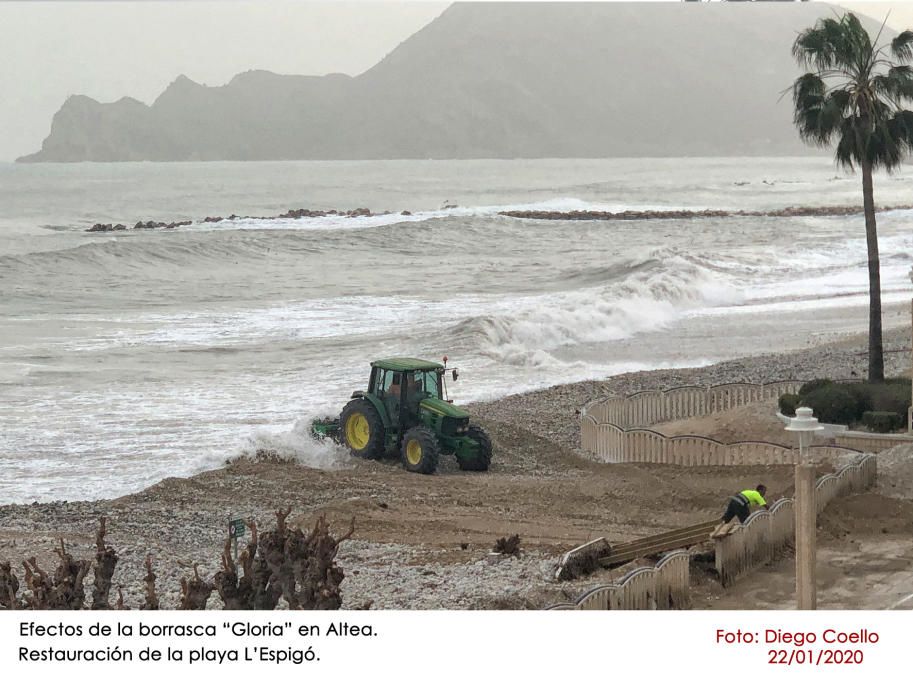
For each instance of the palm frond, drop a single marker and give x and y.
(818, 47)
(883, 149)
(901, 127)
(846, 153)
(896, 84)
(816, 112)
(859, 47)
(902, 45)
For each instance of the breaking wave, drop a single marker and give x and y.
(643, 295)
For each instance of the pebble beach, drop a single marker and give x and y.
(425, 542)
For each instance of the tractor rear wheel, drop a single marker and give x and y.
(482, 459)
(420, 452)
(362, 429)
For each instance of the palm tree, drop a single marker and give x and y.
(854, 94)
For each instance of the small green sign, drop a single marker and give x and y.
(236, 528)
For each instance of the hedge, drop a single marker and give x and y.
(882, 421)
(849, 403)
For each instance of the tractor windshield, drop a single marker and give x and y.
(427, 382)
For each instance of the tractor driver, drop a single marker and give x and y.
(396, 385)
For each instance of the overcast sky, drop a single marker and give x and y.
(50, 50)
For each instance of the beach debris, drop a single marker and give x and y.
(724, 529)
(583, 560)
(509, 546)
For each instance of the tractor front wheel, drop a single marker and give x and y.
(482, 458)
(362, 429)
(420, 452)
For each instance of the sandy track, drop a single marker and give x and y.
(423, 542)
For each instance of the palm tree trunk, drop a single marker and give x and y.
(876, 347)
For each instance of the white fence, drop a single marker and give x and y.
(616, 429)
(665, 586)
(650, 407)
(614, 444)
(766, 533)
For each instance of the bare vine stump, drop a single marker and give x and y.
(283, 564)
(9, 587)
(152, 599)
(65, 591)
(195, 592)
(105, 563)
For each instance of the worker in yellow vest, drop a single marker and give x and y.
(740, 504)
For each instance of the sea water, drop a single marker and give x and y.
(130, 356)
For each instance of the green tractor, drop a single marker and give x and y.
(405, 410)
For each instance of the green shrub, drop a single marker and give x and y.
(864, 395)
(891, 398)
(788, 404)
(814, 384)
(834, 403)
(882, 421)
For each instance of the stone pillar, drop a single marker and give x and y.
(806, 555)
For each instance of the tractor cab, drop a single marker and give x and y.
(402, 384)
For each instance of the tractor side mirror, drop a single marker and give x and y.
(455, 375)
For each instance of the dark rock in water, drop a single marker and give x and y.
(405, 212)
(590, 215)
(212, 219)
(161, 224)
(106, 227)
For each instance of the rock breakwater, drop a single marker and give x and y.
(632, 215)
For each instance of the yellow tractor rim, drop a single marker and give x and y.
(358, 432)
(414, 452)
